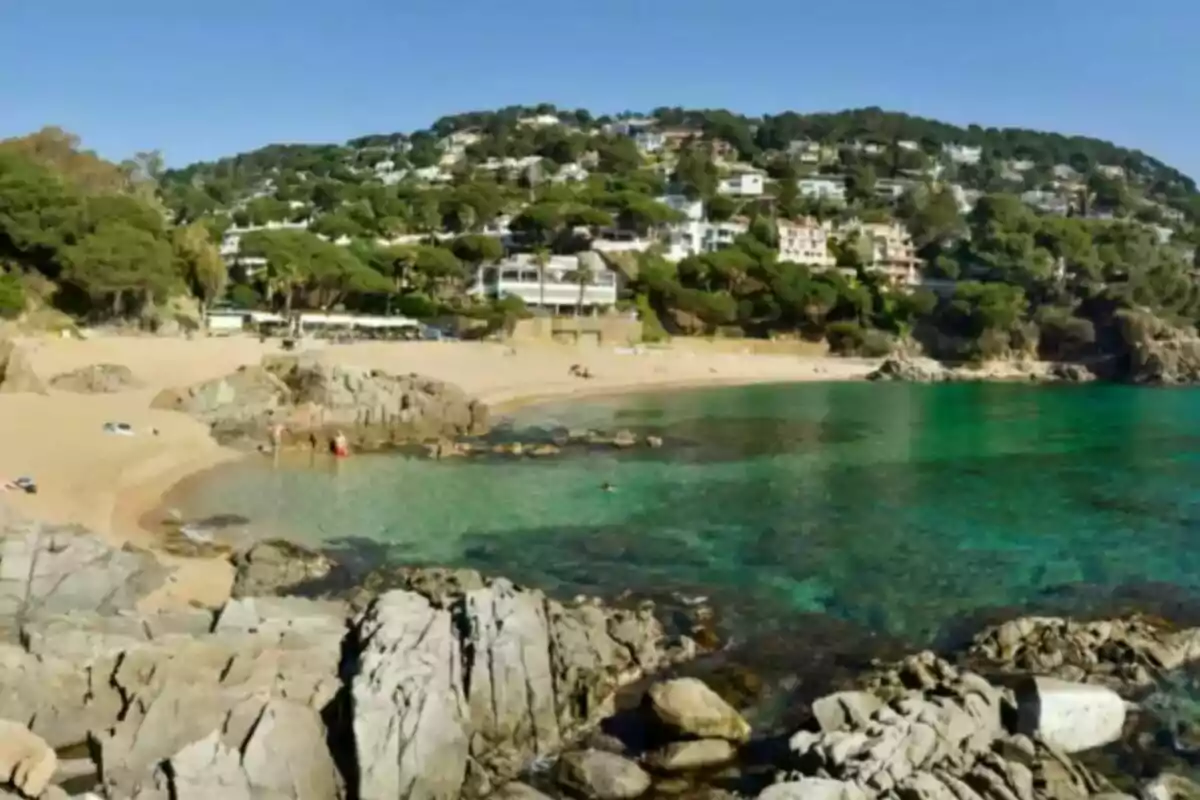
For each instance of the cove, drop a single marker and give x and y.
(901, 509)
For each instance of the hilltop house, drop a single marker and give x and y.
(824, 187)
(701, 236)
(748, 183)
(892, 250)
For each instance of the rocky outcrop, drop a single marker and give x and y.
(26, 762)
(935, 732)
(1069, 716)
(96, 379)
(911, 369)
(275, 567)
(16, 369)
(1115, 653)
(309, 397)
(1158, 352)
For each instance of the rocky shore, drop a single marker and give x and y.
(438, 683)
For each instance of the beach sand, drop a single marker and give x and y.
(109, 482)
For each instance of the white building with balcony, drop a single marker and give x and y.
(804, 241)
(649, 141)
(700, 236)
(557, 290)
(744, 184)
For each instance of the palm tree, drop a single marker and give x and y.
(541, 259)
(583, 276)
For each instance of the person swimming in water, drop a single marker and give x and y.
(607, 487)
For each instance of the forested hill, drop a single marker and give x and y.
(506, 133)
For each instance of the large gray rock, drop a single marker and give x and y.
(309, 397)
(275, 567)
(813, 789)
(688, 706)
(56, 569)
(1158, 352)
(458, 690)
(1069, 716)
(911, 369)
(698, 754)
(843, 710)
(598, 775)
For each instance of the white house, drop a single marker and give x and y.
(804, 241)
(963, 154)
(569, 173)
(699, 236)
(558, 289)
(1111, 171)
(744, 184)
(831, 187)
(909, 145)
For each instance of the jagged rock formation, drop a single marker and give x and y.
(446, 691)
(909, 369)
(1114, 653)
(373, 408)
(1158, 352)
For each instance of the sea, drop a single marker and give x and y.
(900, 511)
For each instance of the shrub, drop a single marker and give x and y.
(12, 296)
(243, 295)
(652, 327)
(851, 339)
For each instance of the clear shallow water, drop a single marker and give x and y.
(900, 509)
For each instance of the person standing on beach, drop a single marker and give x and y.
(339, 445)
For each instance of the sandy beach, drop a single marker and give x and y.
(108, 482)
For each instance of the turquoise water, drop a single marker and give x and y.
(897, 508)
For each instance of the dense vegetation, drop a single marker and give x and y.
(399, 222)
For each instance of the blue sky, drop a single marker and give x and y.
(199, 80)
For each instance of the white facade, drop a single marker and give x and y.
(518, 276)
(568, 173)
(696, 237)
(963, 154)
(649, 141)
(804, 242)
(746, 184)
(1111, 171)
(540, 121)
(828, 188)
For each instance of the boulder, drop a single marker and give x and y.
(411, 717)
(517, 791)
(27, 763)
(276, 566)
(16, 369)
(688, 706)
(1069, 716)
(698, 754)
(463, 683)
(597, 775)
(96, 379)
(1169, 786)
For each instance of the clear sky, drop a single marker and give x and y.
(198, 79)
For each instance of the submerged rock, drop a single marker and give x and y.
(598, 775)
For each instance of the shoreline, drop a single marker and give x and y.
(135, 504)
